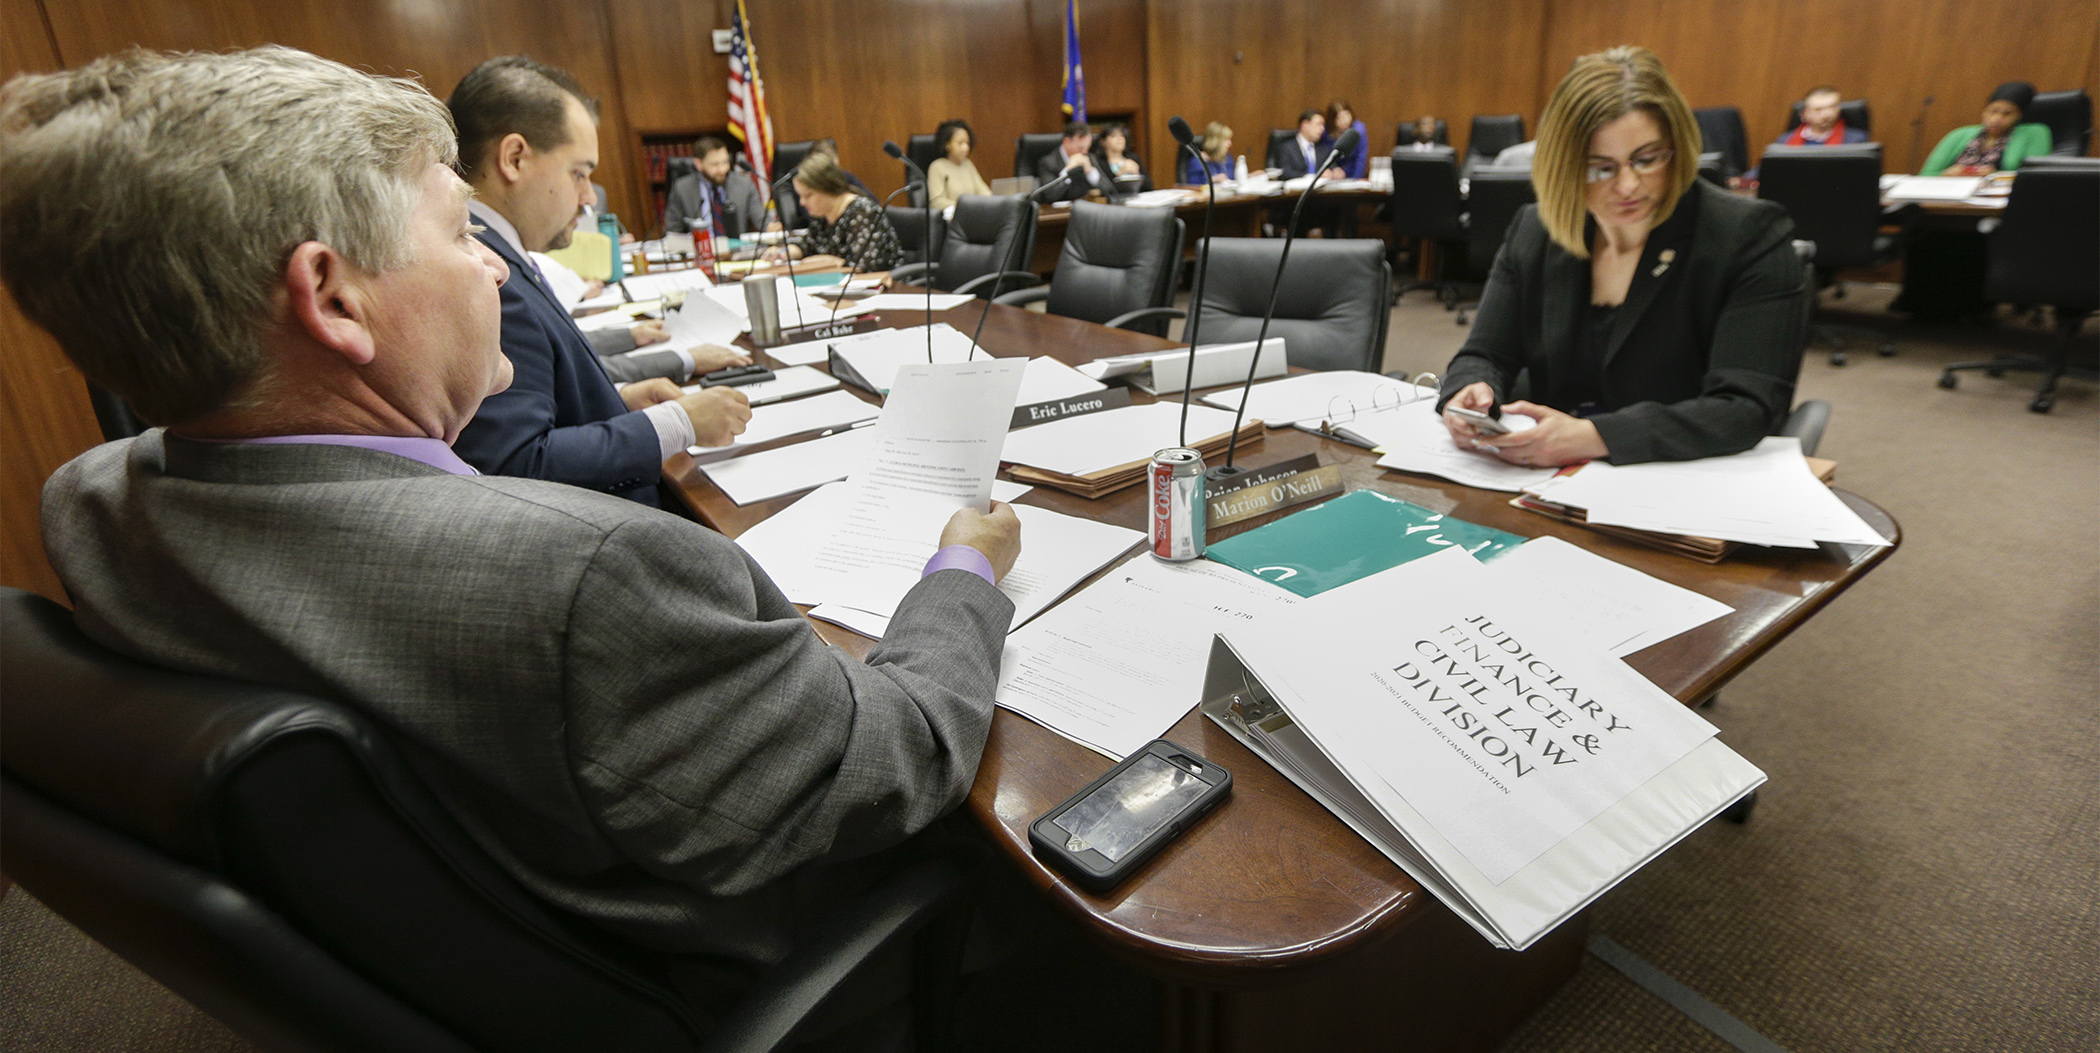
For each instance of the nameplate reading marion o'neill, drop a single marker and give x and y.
(1077, 405)
(1273, 494)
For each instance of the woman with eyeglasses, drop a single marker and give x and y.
(1658, 316)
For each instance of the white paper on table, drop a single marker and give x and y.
(1095, 441)
(1504, 727)
(608, 297)
(618, 318)
(913, 301)
(1414, 439)
(797, 307)
(805, 353)
(833, 409)
(1932, 188)
(700, 320)
(861, 570)
(1763, 496)
(1114, 666)
(788, 383)
(656, 284)
(941, 431)
(1046, 378)
(1622, 609)
(876, 356)
(771, 473)
(1313, 397)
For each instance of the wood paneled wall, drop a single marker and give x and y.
(867, 70)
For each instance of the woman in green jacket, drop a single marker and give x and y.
(2000, 143)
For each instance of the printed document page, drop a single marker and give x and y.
(942, 428)
(1620, 608)
(1114, 667)
(768, 474)
(1763, 496)
(1097, 441)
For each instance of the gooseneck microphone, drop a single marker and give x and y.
(1179, 128)
(890, 147)
(787, 244)
(1343, 145)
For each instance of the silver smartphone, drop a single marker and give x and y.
(1481, 422)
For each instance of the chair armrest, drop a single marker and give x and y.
(911, 271)
(1806, 423)
(1000, 277)
(1023, 296)
(853, 935)
(1144, 314)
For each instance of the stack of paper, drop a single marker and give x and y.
(833, 409)
(1100, 453)
(1768, 495)
(656, 284)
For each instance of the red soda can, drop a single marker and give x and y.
(1177, 504)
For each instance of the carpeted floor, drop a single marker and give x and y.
(1919, 874)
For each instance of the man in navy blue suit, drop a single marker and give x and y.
(528, 142)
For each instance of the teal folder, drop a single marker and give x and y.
(1352, 536)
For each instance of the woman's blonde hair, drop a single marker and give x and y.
(1598, 90)
(1215, 136)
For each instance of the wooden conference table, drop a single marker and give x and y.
(1238, 216)
(1273, 925)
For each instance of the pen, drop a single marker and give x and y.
(834, 431)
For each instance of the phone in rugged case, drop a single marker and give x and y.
(1102, 834)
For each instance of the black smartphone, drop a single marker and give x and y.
(1102, 834)
(736, 375)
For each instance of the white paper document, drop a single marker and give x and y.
(876, 356)
(941, 431)
(1932, 188)
(700, 320)
(618, 318)
(1157, 371)
(856, 558)
(1340, 396)
(1415, 440)
(1116, 665)
(768, 474)
(1763, 496)
(1618, 607)
(1097, 441)
(833, 409)
(1047, 378)
(1502, 725)
(656, 284)
(913, 301)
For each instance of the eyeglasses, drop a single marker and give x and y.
(1643, 165)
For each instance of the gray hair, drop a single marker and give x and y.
(149, 203)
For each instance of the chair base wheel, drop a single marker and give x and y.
(1947, 381)
(1837, 358)
(1886, 350)
(2042, 403)
(1994, 374)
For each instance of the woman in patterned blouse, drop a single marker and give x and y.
(845, 229)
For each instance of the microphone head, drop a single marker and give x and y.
(1179, 129)
(1347, 142)
(890, 147)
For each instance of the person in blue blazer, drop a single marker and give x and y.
(528, 142)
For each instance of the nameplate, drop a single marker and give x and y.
(1075, 406)
(1274, 494)
(826, 330)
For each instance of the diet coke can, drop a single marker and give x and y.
(1177, 504)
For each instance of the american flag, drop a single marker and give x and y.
(747, 99)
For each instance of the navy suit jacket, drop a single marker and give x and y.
(562, 419)
(1291, 159)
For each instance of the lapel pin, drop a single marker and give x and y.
(1667, 256)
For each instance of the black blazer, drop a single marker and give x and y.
(1291, 159)
(1701, 358)
(1052, 165)
(561, 418)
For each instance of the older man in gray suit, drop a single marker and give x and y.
(616, 702)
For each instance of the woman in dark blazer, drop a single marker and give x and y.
(1658, 316)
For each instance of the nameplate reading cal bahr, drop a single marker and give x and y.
(826, 330)
(1076, 405)
(1279, 486)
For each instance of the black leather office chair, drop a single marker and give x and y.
(113, 414)
(1721, 131)
(1834, 195)
(914, 230)
(1713, 167)
(677, 168)
(1279, 138)
(1493, 198)
(1427, 206)
(986, 234)
(2069, 115)
(2046, 250)
(1492, 133)
(1118, 267)
(1033, 147)
(786, 158)
(1854, 112)
(1405, 135)
(1331, 311)
(269, 856)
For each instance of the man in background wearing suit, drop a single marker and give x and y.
(617, 704)
(1301, 157)
(528, 142)
(716, 195)
(1072, 155)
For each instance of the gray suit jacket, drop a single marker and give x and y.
(616, 702)
(615, 347)
(746, 212)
